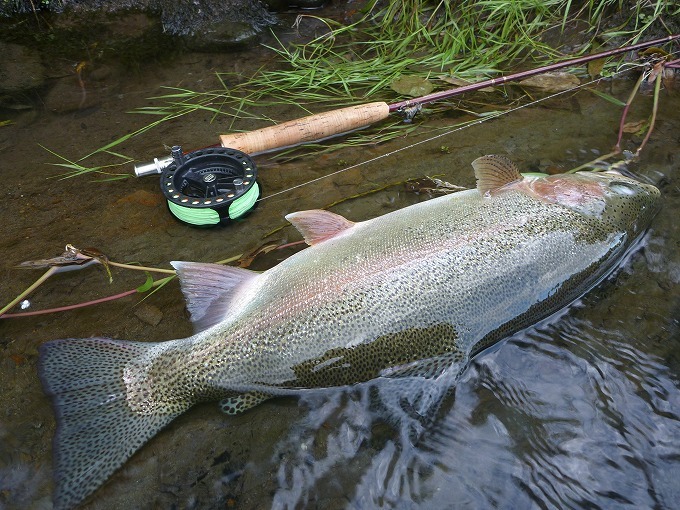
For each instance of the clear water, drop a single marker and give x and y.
(581, 412)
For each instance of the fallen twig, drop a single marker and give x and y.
(73, 259)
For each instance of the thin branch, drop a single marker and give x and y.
(30, 289)
(69, 307)
(617, 147)
(657, 89)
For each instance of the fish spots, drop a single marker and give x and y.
(392, 304)
(96, 428)
(414, 351)
(240, 403)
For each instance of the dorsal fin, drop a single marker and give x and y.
(493, 172)
(317, 225)
(210, 290)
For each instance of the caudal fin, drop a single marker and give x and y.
(96, 429)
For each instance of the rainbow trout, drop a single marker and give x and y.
(414, 293)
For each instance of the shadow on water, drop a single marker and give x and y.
(581, 412)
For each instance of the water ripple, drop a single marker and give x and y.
(579, 413)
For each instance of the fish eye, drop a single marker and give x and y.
(623, 188)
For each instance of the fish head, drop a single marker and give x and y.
(628, 203)
(620, 202)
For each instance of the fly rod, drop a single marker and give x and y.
(327, 124)
(217, 184)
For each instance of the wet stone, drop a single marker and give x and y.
(67, 95)
(307, 4)
(131, 25)
(21, 69)
(282, 5)
(222, 36)
(149, 314)
(552, 82)
(101, 73)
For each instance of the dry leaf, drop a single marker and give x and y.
(413, 86)
(248, 258)
(653, 50)
(431, 186)
(634, 127)
(552, 82)
(595, 67)
(18, 359)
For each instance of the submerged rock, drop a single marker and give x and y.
(149, 314)
(222, 36)
(21, 69)
(179, 17)
(68, 95)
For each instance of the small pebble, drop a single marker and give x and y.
(149, 314)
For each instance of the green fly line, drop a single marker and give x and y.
(208, 216)
(244, 203)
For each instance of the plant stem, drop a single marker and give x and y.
(69, 307)
(226, 261)
(592, 163)
(617, 147)
(55, 269)
(141, 268)
(30, 289)
(657, 89)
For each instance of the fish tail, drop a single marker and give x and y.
(97, 428)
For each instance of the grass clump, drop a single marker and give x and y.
(469, 39)
(354, 62)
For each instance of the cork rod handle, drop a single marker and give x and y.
(307, 129)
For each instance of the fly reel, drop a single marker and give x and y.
(209, 186)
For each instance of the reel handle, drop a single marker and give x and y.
(155, 167)
(307, 129)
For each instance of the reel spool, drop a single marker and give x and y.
(209, 186)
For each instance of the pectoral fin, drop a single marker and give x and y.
(211, 290)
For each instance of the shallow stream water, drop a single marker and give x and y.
(579, 412)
